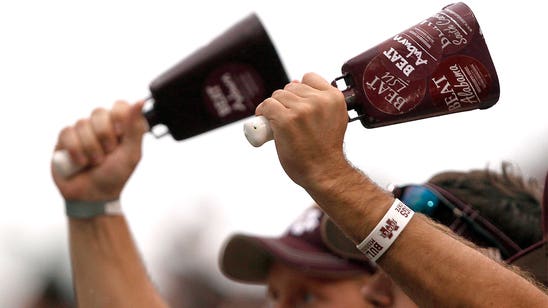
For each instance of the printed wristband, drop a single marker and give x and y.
(89, 209)
(386, 231)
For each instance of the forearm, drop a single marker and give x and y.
(351, 199)
(433, 268)
(107, 268)
(437, 269)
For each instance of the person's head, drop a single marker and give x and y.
(299, 270)
(504, 198)
(497, 211)
(510, 203)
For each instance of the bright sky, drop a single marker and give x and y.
(61, 59)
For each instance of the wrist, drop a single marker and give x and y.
(386, 231)
(352, 200)
(90, 209)
(329, 174)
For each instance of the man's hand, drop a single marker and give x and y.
(109, 144)
(308, 120)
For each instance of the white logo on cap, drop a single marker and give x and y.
(308, 221)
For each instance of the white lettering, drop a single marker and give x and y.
(399, 61)
(413, 50)
(219, 100)
(389, 94)
(465, 91)
(234, 93)
(452, 101)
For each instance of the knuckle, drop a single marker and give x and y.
(64, 137)
(278, 93)
(290, 85)
(81, 123)
(267, 102)
(317, 98)
(305, 110)
(66, 130)
(119, 108)
(98, 111)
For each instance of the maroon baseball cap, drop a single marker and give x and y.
(247, 258)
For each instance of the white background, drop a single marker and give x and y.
(61, 59)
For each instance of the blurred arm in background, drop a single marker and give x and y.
(107, 268)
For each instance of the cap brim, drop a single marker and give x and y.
(248, 258)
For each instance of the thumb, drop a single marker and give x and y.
(135, 126)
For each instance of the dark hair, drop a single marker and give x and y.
(504, 198)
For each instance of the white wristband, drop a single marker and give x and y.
(386, 231)
(89, 209)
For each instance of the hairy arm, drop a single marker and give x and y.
(309, 120)
(433, 267)
(107, 268)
